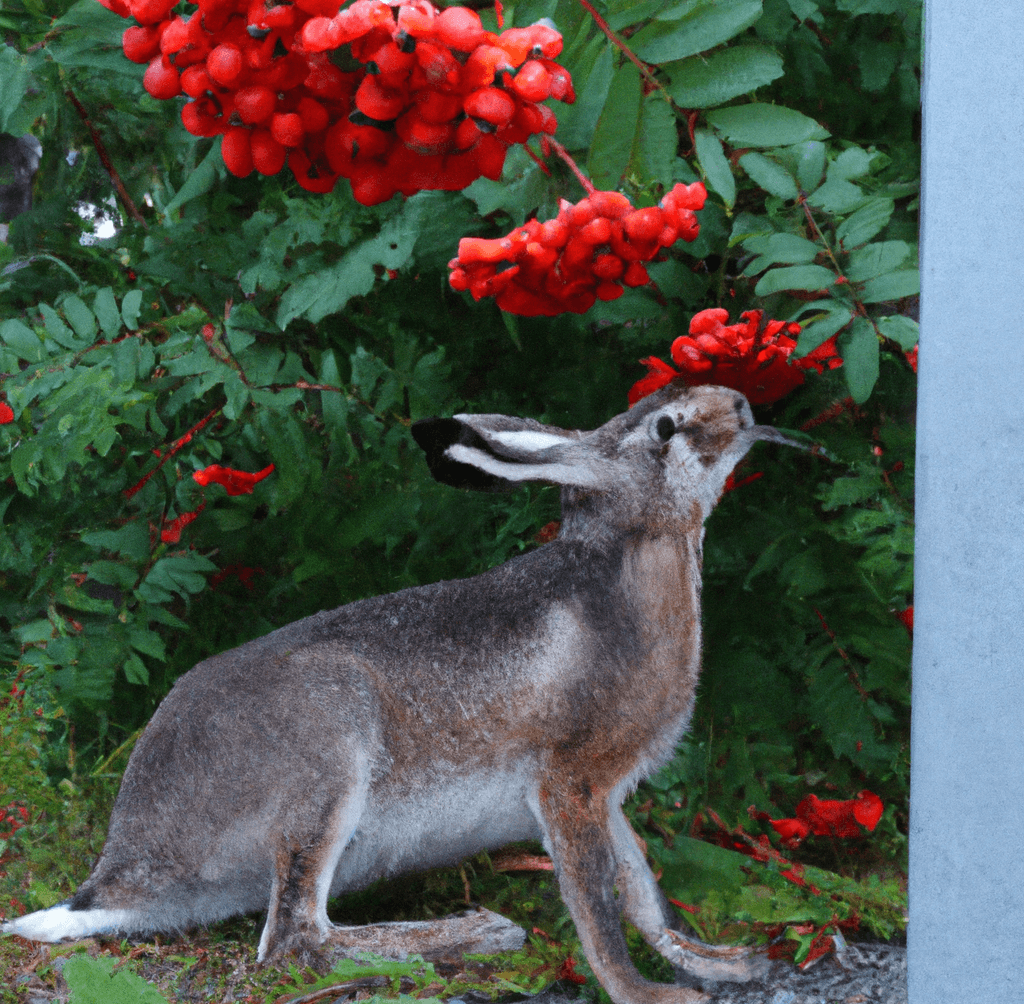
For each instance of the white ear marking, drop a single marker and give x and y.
(562, 474)
(527, 440)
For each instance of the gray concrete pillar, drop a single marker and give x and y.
(967, 734)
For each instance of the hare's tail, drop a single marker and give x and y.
(62, 921)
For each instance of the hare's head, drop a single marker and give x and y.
(662, 463)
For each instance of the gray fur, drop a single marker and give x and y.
(412, 730)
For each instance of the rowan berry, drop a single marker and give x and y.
(141, 42)
(286, 128)
(225, 64)
(236, 151)
(161, 79)
(268, 156)
(491, 105)
(460, 28)
(255, 104)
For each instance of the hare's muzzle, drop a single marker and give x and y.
(771, 435)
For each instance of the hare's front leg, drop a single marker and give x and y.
(645, 907)
(578, 835)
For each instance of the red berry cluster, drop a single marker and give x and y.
(585, 254)
(433, 101)
(751, 356)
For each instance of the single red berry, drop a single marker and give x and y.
(174, 36)
(392, 64)
(490, 104)
(268, 156)
(609, 291)
(532, 82)
(255, 104)
(236, 151)
(287, 129)
(437, 106)
(378, 102)
(490, 156)
(425, 137)
(161, 79)
(484, 63)
(467, 134)
(225, 64)
(141, 42)
(314, 177)
(195, 81)
(416, 18)
(201, 119)
(150, 11)
(321, 34)
(439, 66)
(608, 266)
(459, 28)
(636, 275)
(644, 224)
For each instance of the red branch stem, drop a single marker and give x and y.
(587, 184)
(97, 141)
(627, 52)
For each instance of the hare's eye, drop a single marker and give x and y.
(665, 428)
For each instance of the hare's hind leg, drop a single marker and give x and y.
(645, 907)
(304, 864)
(578, 835)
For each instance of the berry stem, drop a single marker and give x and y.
(115, 178)
(564, 154)
(629, 54)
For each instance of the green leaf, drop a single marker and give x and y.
(199, 182)
(130, 306)
(327, 291)
(593, 78)
(837, 195)
(859, 348)
(851, 163)
(769, 175)
(135, 670)
(93, 981)
(821, 328)
(147, 642)
(877, 61)
(893, 286)
(616, 128)
(80, 316)
(776, 249)
(622, 13)
(865, 223)
(798, 277)
(105, 308)
(131, 540)
(717, 171)
(874, 259)
(904, 330)
(704, 25)
(811, 165)
(657, 141)
(13, 81)
(23, 340)
(58, 330)
(703, 82)
(760, 124)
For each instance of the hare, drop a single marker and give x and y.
(412, 730)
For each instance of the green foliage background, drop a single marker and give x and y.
(335, 329)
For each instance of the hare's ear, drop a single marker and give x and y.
(492, 452)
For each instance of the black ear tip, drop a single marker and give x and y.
(435, 435)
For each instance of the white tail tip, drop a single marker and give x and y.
(61, 922)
